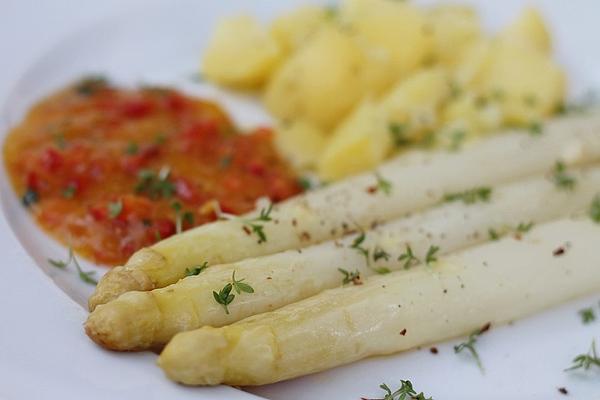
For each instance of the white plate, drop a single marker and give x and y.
(50, 356)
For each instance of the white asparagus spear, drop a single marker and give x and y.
(415, 182)
(494, 283)
(139, 320)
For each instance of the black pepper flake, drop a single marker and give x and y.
(247, 230)
(403, 332)
(559, 251)
(372, 189)
(305, 236)
(30, 197)
(294, 222)
(433, 350)
(445, 291)
(563, 390)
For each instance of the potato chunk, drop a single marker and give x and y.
(320, 83)
(241, 53)
(300, 142)
(361, 142)
(529, 29)
(395, 27)
(453, 28)
(293, 29)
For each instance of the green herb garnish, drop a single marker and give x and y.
(115, 208)
(586, 361)
(493, 234)
(196, 270)
(132, 148)
(60, 141)
(30, 197)
(90, 85)
(406, 392)
(587, 315)
(456, 140)
(398, 133)
(353, 277)
(86, 276)
(469, 345)
(561, 178)
(431, 256)
(357, 245)
(69, 191)
(225, 297)
(595, 209)
(471, 196)
(408, 257)
(154, 185)
(379, 253)
(535, 128)
(524, 227)
(383, 185)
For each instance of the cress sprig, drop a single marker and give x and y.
(469, 345)
(225, 297)
(85, 276)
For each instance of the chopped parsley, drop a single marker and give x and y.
(586, 361)
(469, 345)
(524, 227)
(471, 196)
(494, 234)
(561, 178)
(456, 140)
(196, 270)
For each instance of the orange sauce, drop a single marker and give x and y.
(108, 171)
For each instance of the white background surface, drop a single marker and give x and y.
(44, 353)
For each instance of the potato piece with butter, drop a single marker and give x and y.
(293, 29)
(414, 103)
(241, 53)
(453, 28)
(529, 29)
(359, 143)
(395, 27)
(320, 83)
(300, 142)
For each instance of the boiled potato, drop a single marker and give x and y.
(321, 82)
(300, 142)
(453, 28)
(361, 142)
(395, 27)
(529, 29)
(241, 53)
(530, 84)
(472, 63)
(293, 29)
(414, 103)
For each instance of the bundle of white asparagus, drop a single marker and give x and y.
(140, 320)
(493, 283)
(413, 182)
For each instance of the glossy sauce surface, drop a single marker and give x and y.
(108, 171)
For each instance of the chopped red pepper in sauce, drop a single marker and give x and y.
(109, 171)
